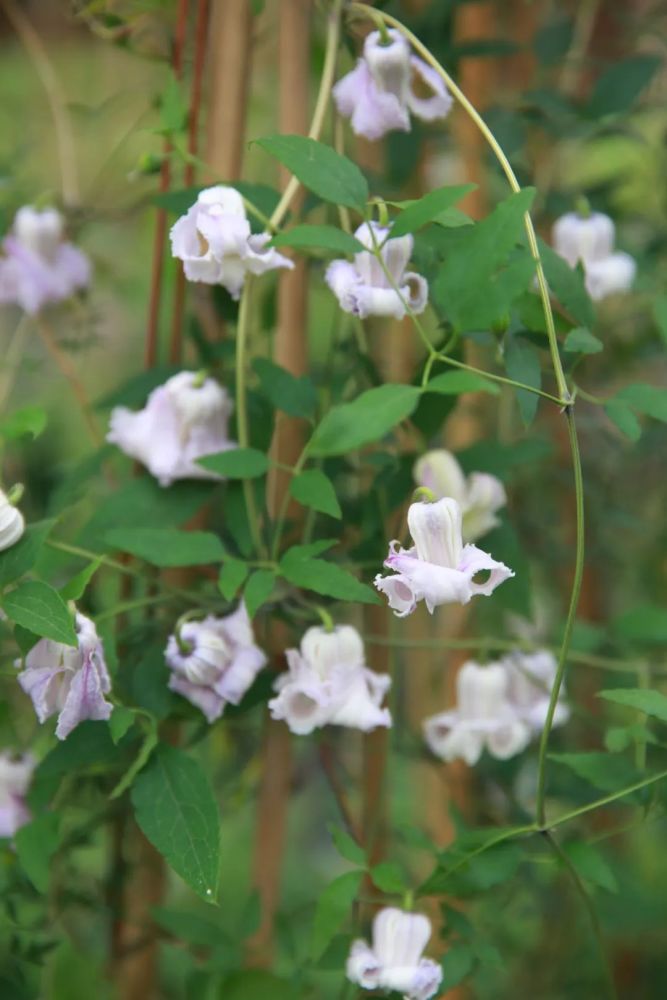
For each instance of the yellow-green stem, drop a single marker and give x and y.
(242, 408)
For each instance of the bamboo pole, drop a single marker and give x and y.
(230, 50)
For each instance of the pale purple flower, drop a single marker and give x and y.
(378, 94)
(479, 495)
(183, 420)
(439, 568)
(362, 287)
(68, 680)
(328, 683)
(15, 775)
(590, 240)
(530, 677)
(38, 267)
(214, 661)
(12, 524)
(484, 718)
(394, 961)
(216, 245)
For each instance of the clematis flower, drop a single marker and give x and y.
(363, 289)
(183, 419)
(15, 775)
(378, 94)
(484, 718)
(214, 661)
(214, 241)
(12, 524)
(68, 680)
(590, 239)
(394, 962)
(38, 266)
(328, 683)
(439, 568)
(479, 495)
(530, 677)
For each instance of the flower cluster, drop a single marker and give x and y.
(394, 961)
(214, 241)
(328, 683)
(38, 266)
(500, 707)
(590, 240)
(213, 662)
(15, 775)
(479, 495)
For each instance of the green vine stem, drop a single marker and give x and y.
(242, 408)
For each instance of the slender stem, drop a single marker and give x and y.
(137, 602)
(590, 909)
(571, 615)
(501, 378)
(321, 105)
(328, 762)
(70, 373)
(242, 409)
(12, 358)
(284, 504)
(519, 831)
(606, 800)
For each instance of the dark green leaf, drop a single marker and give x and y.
(238, 463)
(389, 877)
(623, 417)
(39, 608)
(168, 547)
(231, 577)
(567, 284)
(20, 558)
(456, 382)
(333, 906)
(175, 807)
(314, 489)
(620, 85)
(346, 846)
(36, 843)
(591, 865)
(255, 984)
(652, 703)
(522, 362)
(295, 395)
(28, 420)
(173, 109)
(120, 721)
(319, 168)
(646, 623)
(321, 237)
(648, 399)
(258, 590)
(660, 315)
(604, 771)
(582, 341)
(325, 578)
(457, 965)
(368, 418)
(76, 587)
(190, 927)
(418, 213)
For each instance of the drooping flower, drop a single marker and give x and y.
(484, 718)
(378, 94)
(479, 495)
(439, 568)
(328, 683)
(530, 677)
(590, 240)
(38, 266)
(214, 661)
(395, 962)
(12, 524)
(183, 419)
(15, 775)
(68, 680)
(215, 243)
(363, 289)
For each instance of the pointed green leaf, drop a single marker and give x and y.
(368, 418)
(314, 489)
(333, 907)
(39, 608)
(167, 546)
(237, 463)
(320, 237)
(231, 577)
(418, 213)
(258, 590)
(582, 341)
(652, 703)
(320, 168)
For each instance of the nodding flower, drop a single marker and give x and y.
(590, 240)
(15, 775)
(479, 495)
(12, 523)
(394, 961)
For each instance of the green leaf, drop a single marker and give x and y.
(168, 546)
(314, 489)
(650, 400)
(173, 108)
(567, 284)
(20, 558)
(582, 341)
(39, 608)
(36, 843)
(28, 420)
(619, 86)
(319, 168)
(660, 315)
(333, 907)
(258, 590)
(175, 807)
(322, 237)
(389, 877)
(646, 623)
(418, 213)
(238, 463)
(231, 577)
(76, 587)
(189, 927)
(455, 383)
(255, 984)
(623, 417)
(121, 720)
(294, 395)
(150, 741)
(346, 846)
(604, 771)
(368, 418)
(522, 362)
(457, 965)
(591, 865)
(325, 578)
(652, 703)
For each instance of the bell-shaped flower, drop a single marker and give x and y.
(394, 961)
(484, 718)
(38, 266)
(12, 524)
(183, 419)
(328, 683)
(479, 495)
(530, 677)
(379, 93)
(15, 775)
(439, 568)
(590, 240)
(68, 680)
(214, 661)
(215, 243)
(364, 289)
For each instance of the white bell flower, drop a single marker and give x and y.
(530, 678)
(479, 495)
(395, 962)
(12, 523)
(590, 240)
